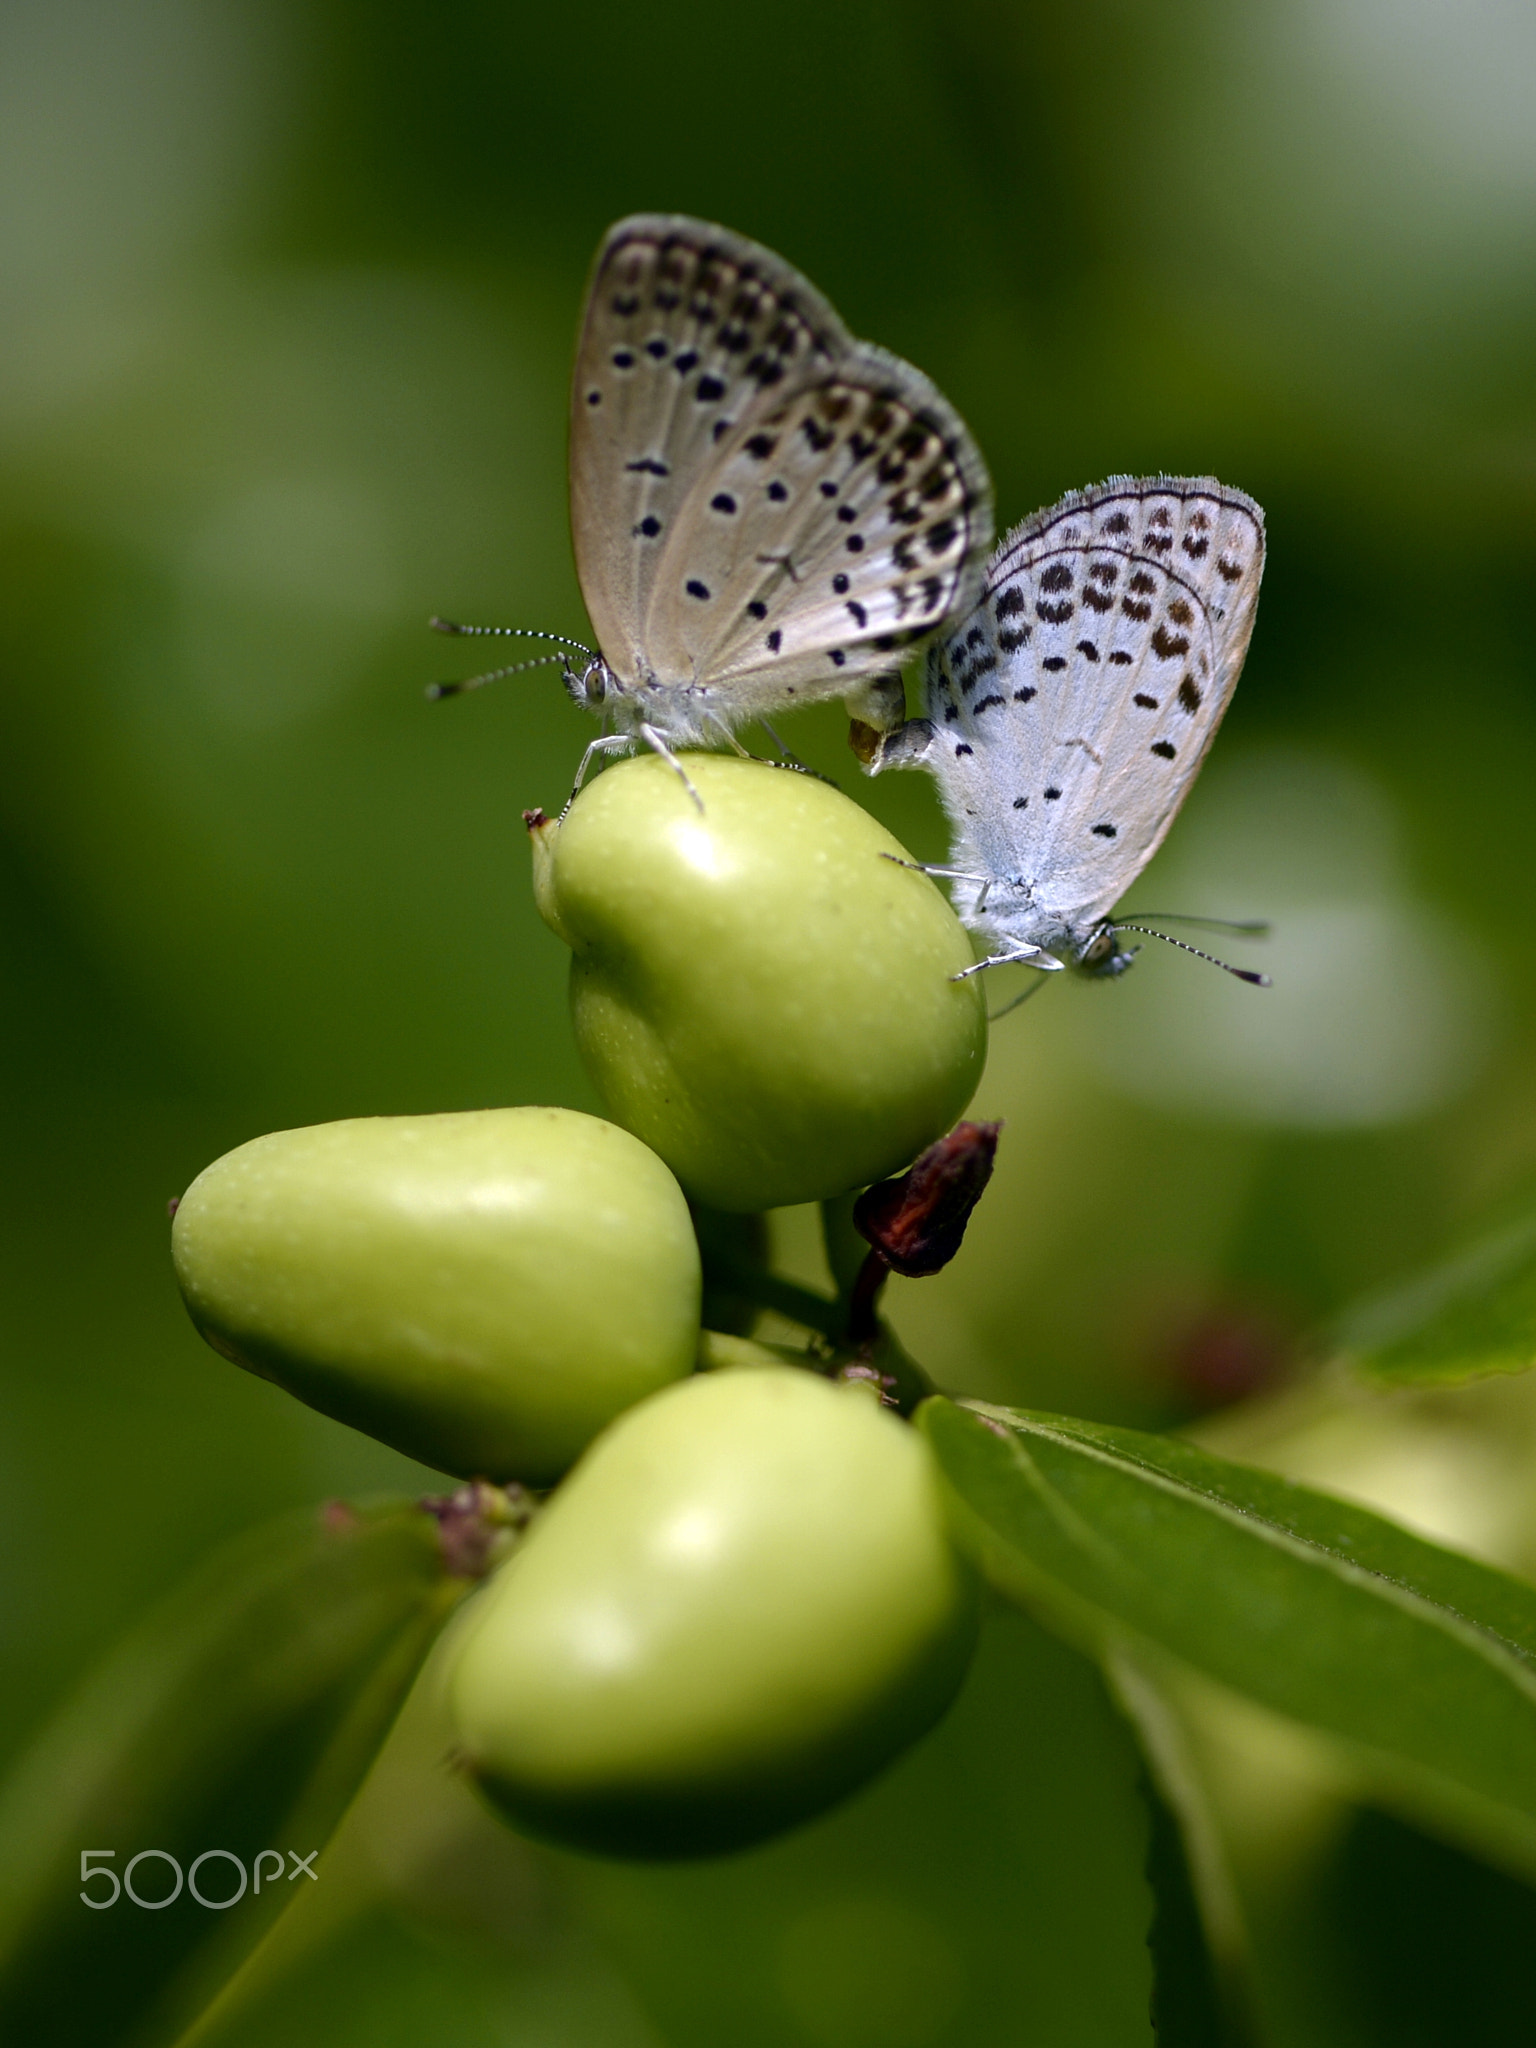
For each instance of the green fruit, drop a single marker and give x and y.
(739, 1606)
(757, 991)
(484, 1291)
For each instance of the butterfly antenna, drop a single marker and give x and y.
(1242, 973)
(437, 691)
(1247, 928)
(516, 632)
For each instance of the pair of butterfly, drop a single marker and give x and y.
(768, 512)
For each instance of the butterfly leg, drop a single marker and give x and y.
(713, 718)
(610, 743)
(657, 744)
(791, 763)
(1029, 956)
(786, 758)
(1008, 1008)
(922, 867)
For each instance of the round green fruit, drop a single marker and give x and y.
(740, 1605)
(484, 1291)
(759, 990)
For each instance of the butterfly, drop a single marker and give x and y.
(1067, 716)
(766, 512)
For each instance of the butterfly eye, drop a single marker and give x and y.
(594, 682)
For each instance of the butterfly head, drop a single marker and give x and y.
(594, 686)
(1102, 956)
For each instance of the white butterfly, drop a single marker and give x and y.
(1067, 716)
(766, 512)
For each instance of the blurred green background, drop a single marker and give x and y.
(288, 291)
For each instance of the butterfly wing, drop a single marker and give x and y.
(758, 501)
(1073, 708)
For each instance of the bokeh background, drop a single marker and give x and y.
(288, 292)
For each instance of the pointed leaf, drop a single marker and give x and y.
(1474, 1313)
(238, 1719)
(1422, 1660)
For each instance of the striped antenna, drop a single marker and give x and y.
(437, 691)
(1149, 932)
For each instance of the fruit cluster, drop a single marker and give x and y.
(742, 1601)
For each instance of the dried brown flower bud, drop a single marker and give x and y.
(917, 1222)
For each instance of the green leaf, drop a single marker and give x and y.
(1186, 2004)
(1472, 1314)
(239, 1718)
(1202, 1991)
(1423, 1661)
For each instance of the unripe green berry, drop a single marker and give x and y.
(759, 990)
(740, 1605)
(484, 1291)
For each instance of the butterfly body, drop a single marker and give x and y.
(766, 512)
(1067, 715)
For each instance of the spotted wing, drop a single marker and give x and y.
(1073, 708)
(758, 501)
